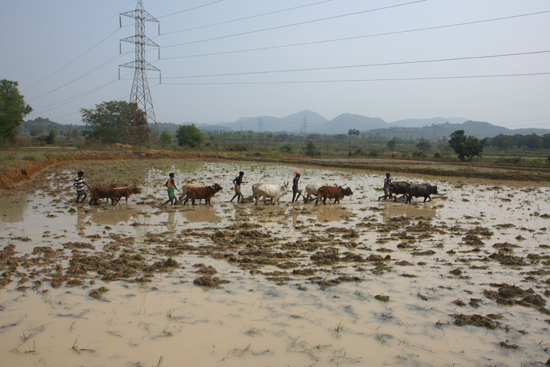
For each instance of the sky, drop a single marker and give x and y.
(220, 60)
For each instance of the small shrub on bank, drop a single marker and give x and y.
(237, 148)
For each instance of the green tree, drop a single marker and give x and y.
(165, 138)
(424, 145)
(36, 130)
(50, 139)
(311, 149)
(466, 147)
(392, 143)
(189, 135)
(116, 122)
(12, 109)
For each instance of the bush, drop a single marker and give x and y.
(237, 148)
(311, 149)
(438, 155)
(287, 148)
(358, 151)
(419, 155)
(373, 153)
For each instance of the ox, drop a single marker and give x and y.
(186, 187)
(424, 190)
(274, 192)
(124, 191)
(311, 190)
(397, 188)
(108, 192)
(332, 192)
(199, 193)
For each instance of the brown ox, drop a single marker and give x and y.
(198, 193)
(186, 188)
(113, 193)
(332, 192)
(121, 189)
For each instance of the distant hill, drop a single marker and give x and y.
(427, 122)
(44, 125)
(474, 128)
(292, 124)
(343, 123)
(429, 128)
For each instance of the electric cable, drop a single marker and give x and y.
(366, 80)
(362, 65)
(249, 17)
(297, 24)
(360, 37)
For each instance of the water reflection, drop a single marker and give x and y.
(332, 213)
(407, 210)
(12, 209)
(204, 213)
(171, 222)
(113, 216)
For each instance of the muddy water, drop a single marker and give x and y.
(364, 282)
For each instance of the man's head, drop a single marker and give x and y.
(171, 174)
(80, 173)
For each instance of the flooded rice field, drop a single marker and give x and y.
(462, 280)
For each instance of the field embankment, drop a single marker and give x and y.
(19, 166)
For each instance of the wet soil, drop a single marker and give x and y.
(302, 284)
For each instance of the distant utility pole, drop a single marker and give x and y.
(260, 128)
(304, 125)
(140, 96)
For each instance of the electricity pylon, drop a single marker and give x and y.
(140, 97)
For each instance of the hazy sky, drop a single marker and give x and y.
(485, 60)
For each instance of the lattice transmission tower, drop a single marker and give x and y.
(140, 97)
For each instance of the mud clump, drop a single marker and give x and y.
(510, 295)
(476, 320)
(209, 282)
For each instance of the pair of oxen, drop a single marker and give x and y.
(113, 191)
(408, 191)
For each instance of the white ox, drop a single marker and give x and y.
(272, 191)
(311, 190)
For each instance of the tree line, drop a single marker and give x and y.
(123, 122)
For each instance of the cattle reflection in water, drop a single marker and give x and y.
(410, 211)
(332, 213)
(206, 213)
(108, 216)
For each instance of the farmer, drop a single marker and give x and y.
(295, 191)
(79, 183)
(387, 185)
(238, 181)
(171, 186)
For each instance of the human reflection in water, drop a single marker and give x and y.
(171, 222)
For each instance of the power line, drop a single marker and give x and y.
(362, 65)
(249, 17)
(74, 98)
(74, 45)
(70, 62)
(79, 77)
(186, 10)
(363, 36)
(297, 24)
(366, 80)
